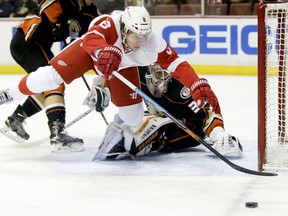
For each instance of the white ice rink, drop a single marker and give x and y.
(36, 182)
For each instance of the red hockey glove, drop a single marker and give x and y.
(201, 90)
(109, 60)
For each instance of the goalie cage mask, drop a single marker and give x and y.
(157, 80)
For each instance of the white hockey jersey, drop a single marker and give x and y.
(106, 30)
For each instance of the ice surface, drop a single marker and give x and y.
(34, 181)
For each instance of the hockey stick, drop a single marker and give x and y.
(88, 87)
(79, 117)
(188, 131)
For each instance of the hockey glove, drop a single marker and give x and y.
(97, 97)
(64, 28)
(109, 60)
(201, 90)
(61, 29)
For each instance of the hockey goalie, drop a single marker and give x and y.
(157, 132)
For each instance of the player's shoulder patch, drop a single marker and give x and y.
(185, 93)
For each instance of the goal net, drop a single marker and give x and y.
(272, 88)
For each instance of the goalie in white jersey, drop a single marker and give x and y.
(119, 42)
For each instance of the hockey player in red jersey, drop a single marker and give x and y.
(119, 42)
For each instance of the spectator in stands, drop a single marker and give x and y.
(240, 1)
(22, 7)
(179, 1)
(5, 8)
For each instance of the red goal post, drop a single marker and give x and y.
(272, 88)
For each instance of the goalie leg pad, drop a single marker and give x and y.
(121, 141)
(177, 139)
(112, 145)
(147, 136)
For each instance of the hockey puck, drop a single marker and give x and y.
(251, 204)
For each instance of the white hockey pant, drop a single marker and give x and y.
(131, 115)
(43, 79)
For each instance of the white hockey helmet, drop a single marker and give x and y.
(137, 20)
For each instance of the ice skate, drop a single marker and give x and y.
(14, 128)
(5, 97)
(228, 145)
(61, 141)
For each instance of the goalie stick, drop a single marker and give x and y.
(189, 131)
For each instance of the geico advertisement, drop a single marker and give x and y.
(230, 41)
(201, 41)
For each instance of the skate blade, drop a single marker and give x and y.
(62, 149)
(6, 131)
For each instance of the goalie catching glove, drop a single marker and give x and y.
(98, 97)
(109, 60)
(201, 90)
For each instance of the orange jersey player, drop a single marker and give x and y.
(31, 48)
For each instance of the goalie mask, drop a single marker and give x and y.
(157, 80)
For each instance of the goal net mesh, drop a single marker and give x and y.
(276, 134)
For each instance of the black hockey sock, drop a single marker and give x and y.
(57, 114)
(30, 107)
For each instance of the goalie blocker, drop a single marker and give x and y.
(155, 133)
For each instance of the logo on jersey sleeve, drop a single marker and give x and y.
(168, 50)
(62, 63)
(185, 93)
